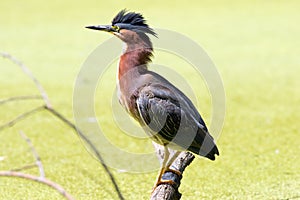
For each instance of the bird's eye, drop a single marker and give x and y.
(117, 28)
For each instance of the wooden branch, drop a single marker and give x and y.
(77, 130)
(26, 70)
(43, 180)
(35, 154)
(30, 166)
(166, 191)
(20, 98)
(49, 108)
(20, 117)
(91, 145)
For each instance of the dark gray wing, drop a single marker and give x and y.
(170, 115)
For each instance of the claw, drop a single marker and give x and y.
(174, 171)
(161, 179)
(170, 182)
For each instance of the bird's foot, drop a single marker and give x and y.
(169, 178)
(174, 171)
(169, 182)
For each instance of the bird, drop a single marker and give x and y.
(165, 113)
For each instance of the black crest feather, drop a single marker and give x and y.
(132, 21)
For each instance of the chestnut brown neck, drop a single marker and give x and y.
(134, 60)
(137, 53)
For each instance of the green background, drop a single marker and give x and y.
(255, 46)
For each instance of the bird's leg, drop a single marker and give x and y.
(174, 156)
(166, 164)
(162, 168)
(168, 169)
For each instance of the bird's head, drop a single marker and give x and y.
(130, 27)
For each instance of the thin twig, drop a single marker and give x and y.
(30, 75)
(20, 117)
(70, 124)
(45, 181)
(20, 98)
(30, 166)
(48, 107)
(35, 154)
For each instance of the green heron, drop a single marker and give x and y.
(166, 114)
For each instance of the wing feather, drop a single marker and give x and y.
(169, 115)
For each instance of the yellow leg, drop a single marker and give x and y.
(175, 155)
(163, 167)
(167, 168)
(166, 164)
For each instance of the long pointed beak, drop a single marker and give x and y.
(106, 28)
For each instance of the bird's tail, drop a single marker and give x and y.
(214, 151)
(207, 148)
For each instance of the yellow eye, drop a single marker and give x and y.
(116, 28)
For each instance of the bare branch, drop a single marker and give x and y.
(30, 166)
(20, 98)
(166, 191)
(45, 181)
(48, 107)
(35, 154)
(70, 124)
(20, 117)
(30, 75)
(91, 145)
